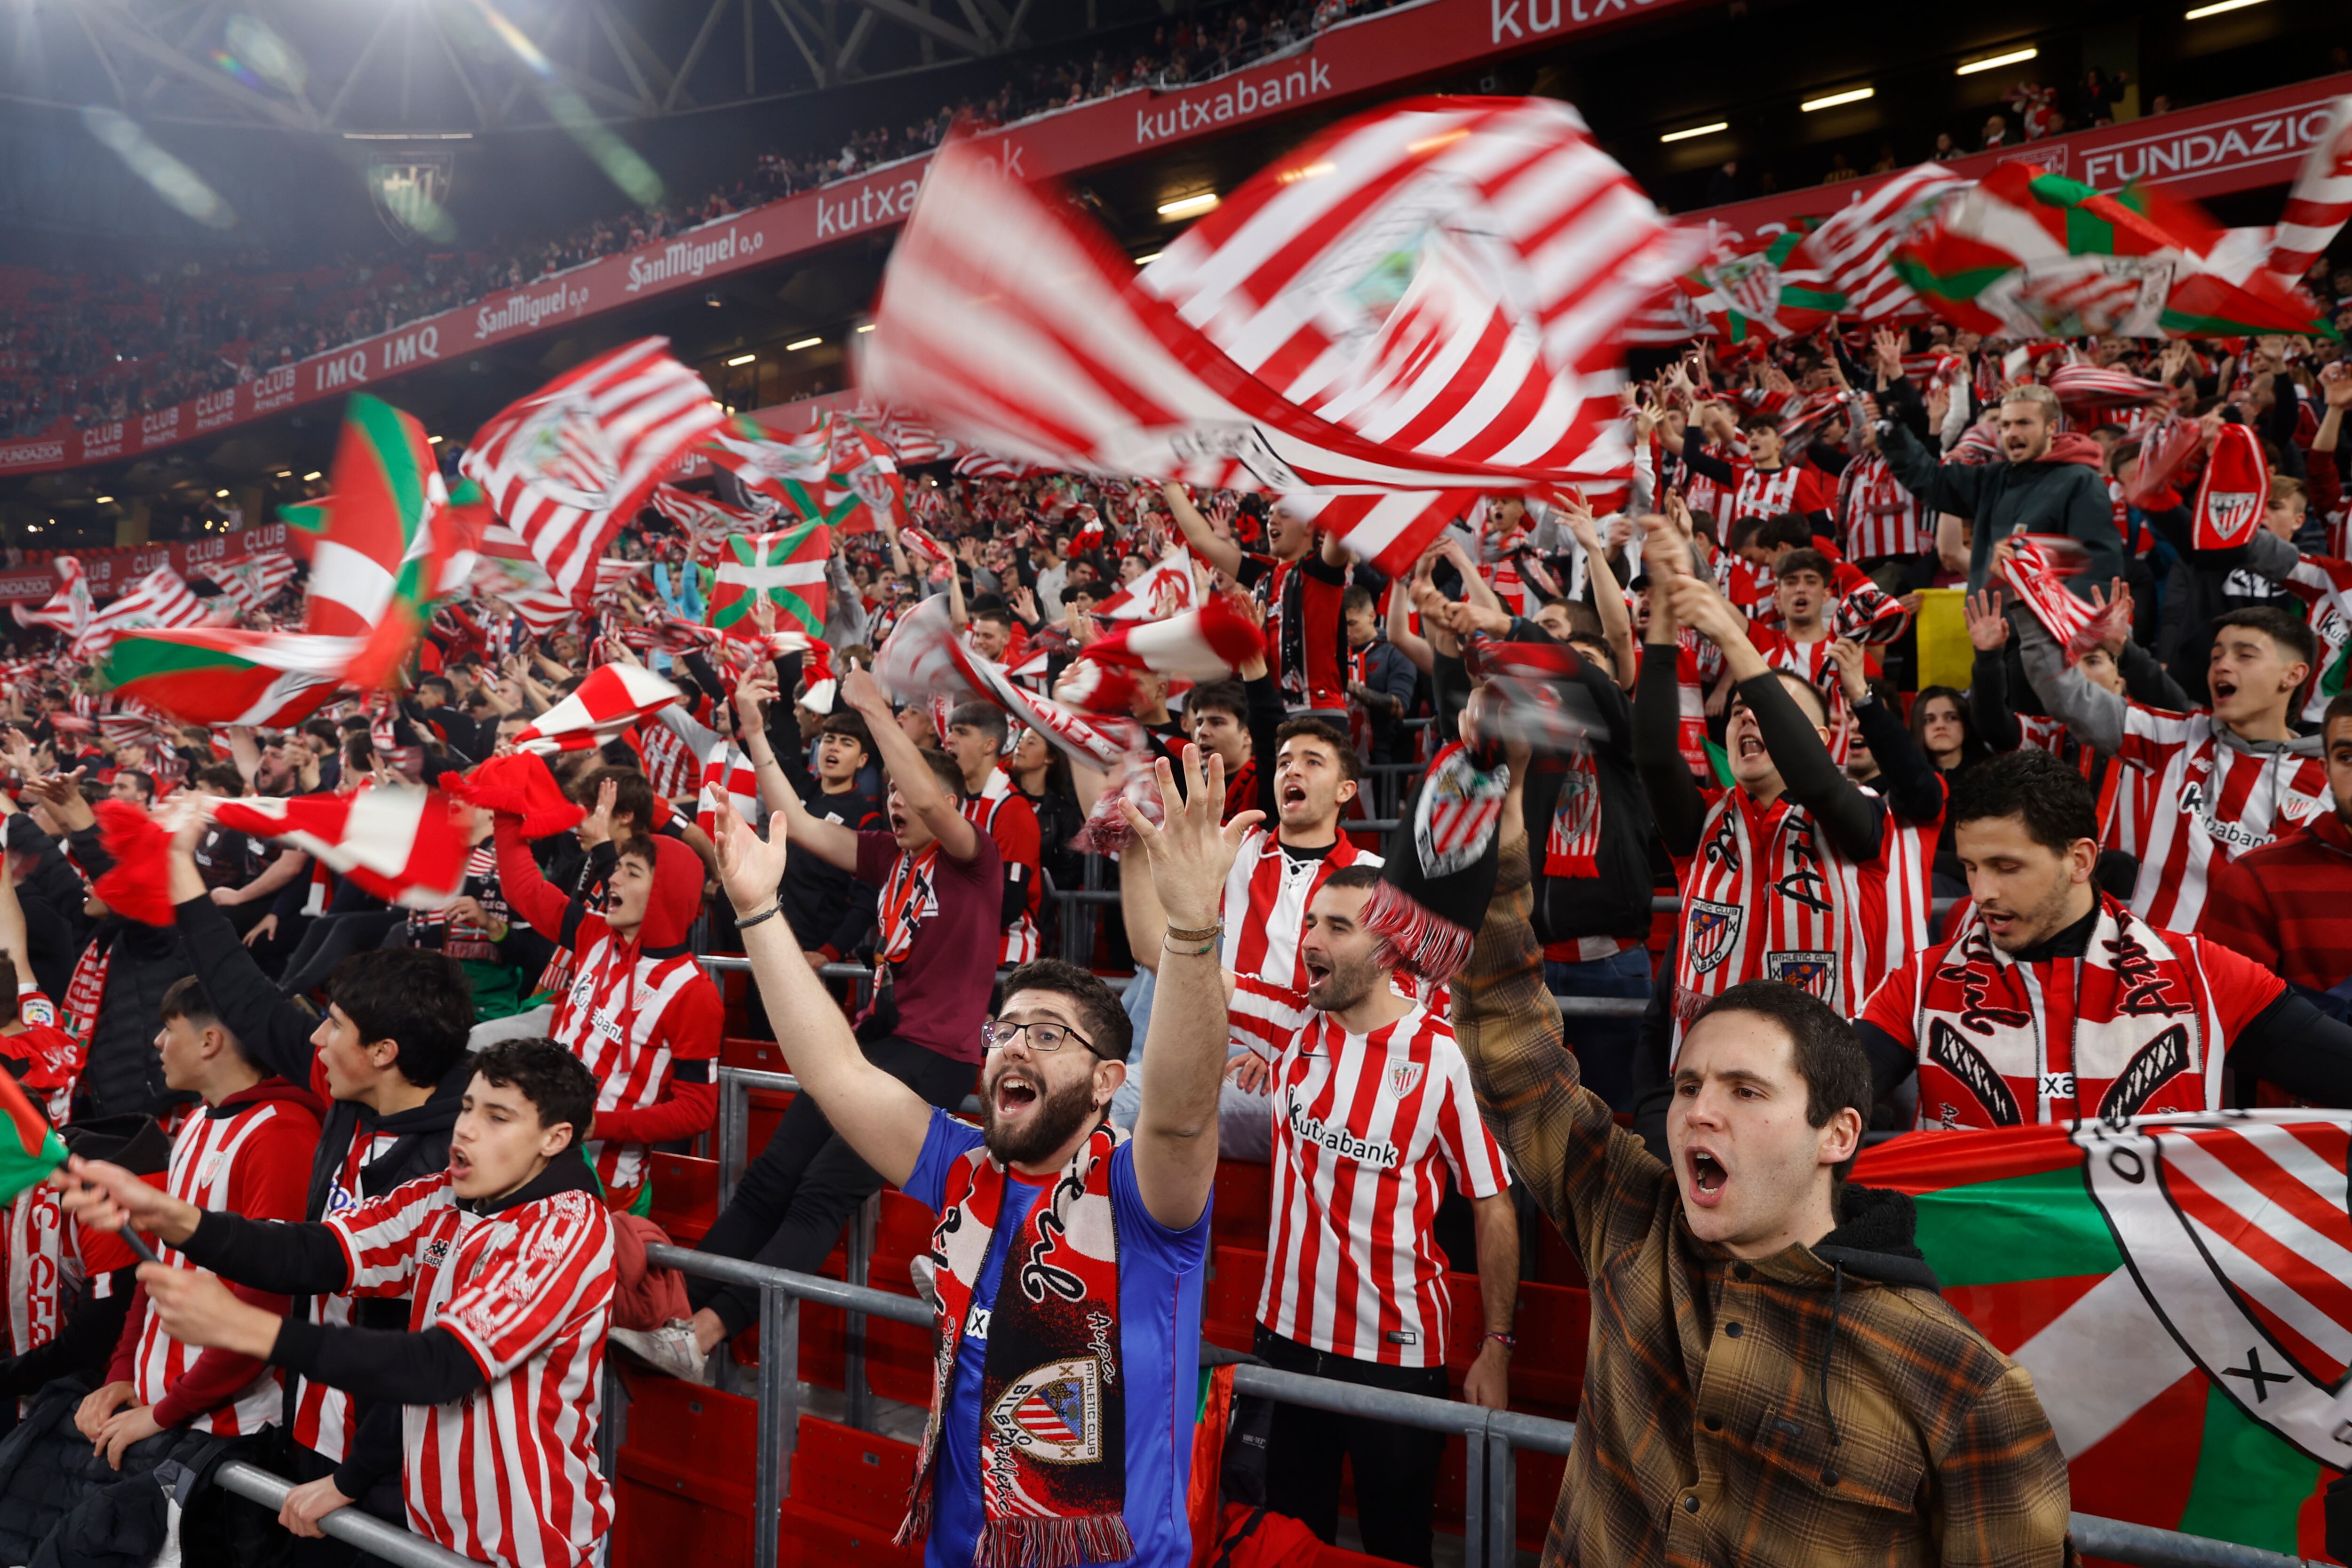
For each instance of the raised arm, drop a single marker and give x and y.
(881, 1118)
(1222, 553)
(1188, 855)
(909, 774)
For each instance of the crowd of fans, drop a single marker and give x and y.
(91, 347)
(1725, 678)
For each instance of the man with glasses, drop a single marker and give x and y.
(1067, 1266)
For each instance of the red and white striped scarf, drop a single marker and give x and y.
(1572, 846)
(908, 898)
(2133, 1041)
(85, 991)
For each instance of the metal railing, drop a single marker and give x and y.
(355, 1525)
(1490, 1438)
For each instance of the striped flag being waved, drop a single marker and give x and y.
(407, 846)
(161, 599)
(1853, 248)
(1446, 277)
(2319, 202)
(567, 465)
(68, 610)
(251, 584)
(786, 568)
(1023, 332)
(613, 697)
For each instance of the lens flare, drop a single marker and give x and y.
(171, 179)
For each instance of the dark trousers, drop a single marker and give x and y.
(790, 1207)
(384, 1500)
(1395, 1466)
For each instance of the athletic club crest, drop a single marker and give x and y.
(2232, 513)
(1457, 811)
(1811, 972)
(1405, 1077)
(2236, 1230)
(1053, 1413)
(564, 448)
(1711, 931)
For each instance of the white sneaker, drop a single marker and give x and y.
(668, 1349)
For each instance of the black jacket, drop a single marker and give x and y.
(124, 1073)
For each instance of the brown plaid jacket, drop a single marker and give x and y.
(1702, 1438)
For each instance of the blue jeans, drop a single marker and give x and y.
(1604, 1046)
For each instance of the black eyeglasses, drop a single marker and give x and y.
(999, 1033)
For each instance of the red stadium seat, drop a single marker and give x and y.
(1229, 1297)
(848, 1496)
(758, 1056)
(685, 1195)
(1242, 1209)
(683, 1482)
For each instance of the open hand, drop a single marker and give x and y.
(1987, 627)
(1190, 853)
(750, 868)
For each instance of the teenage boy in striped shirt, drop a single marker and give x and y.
(247, 1149)
(506, 1258)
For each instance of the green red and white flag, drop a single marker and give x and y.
(228, 675)
(404, 845)
(2181, 1290)
(785, 567)
(29, 1147)
(2028, 254)
(378, 562)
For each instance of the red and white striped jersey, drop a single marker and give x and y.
(1748, 585)
(508, 1474)
(252, 1159)
(1365, 1126)
(1891, 901)
(51, 1261)
(2206, 801)
(617, 1018)
(1767, 896)
(1264, 908)
(322, 1415)
(1004, 813)
(1877, 516)
(1792, 487)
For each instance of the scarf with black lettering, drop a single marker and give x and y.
(2136, 1046)
(1052, 1414)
